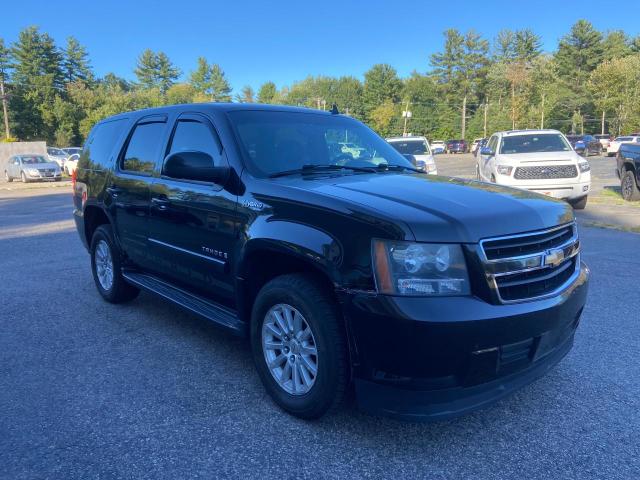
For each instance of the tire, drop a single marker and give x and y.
(493, 178)
(7, 177)
(580, 203)
(23, 177)
(629, 186)
(117, 290)
(478, 173)
(326, 389)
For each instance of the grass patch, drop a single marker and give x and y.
(611, 196)
(612, 227)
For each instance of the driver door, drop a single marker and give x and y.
(485, 162)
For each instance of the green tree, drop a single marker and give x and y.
(75, 63)
(246, 95)
(616, 44)
(147, 69)
(210, 83)
(180, 93)
(37, 77)
(579, 53)
(5, 67)
(167, 73)
(267, 92)
(381, 86)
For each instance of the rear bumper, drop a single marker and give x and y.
(432, 359)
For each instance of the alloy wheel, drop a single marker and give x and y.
(104, 265)
(289, 349)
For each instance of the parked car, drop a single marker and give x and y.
(614, 145)
(628, 170)
(542, 161)
(430, 296)
(438, 146)
(418, 149)
(604, 140)
(71, 164)
(585, 145)
(456, 146)
(28, 167)
(72, 151)
(57, 155)
(475, 144)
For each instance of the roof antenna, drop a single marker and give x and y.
(334, 109)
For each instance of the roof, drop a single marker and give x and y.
(400, 139)
(508, 133)
(219, 106)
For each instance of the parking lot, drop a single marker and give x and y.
(94, 390)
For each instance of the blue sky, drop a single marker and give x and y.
(284, 41)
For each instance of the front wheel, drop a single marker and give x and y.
(629, 186)
(23, 177)
(299, 345)
(579, 204)
(8, 177)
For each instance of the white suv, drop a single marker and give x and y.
(538, 160)
(419, 148)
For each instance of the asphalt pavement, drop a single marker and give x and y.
(145, 390)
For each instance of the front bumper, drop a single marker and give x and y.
(557, 189)
(436, 358)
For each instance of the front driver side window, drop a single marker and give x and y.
(195, 135)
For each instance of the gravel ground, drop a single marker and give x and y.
(144, 390)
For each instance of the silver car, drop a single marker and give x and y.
(57, 155)
(29, 168)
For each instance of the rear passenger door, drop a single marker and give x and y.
(128, 190)
(193, 224)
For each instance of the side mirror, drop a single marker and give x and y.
(421, 165)
(487, 152)
(194, 165)
(74, 157)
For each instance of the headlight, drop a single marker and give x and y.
(431, 167)
(419, 269)
(33, 171)
(584, 166)
(504, 169)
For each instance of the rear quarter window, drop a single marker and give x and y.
(101, 143)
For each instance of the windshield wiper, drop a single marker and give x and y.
(313, 168)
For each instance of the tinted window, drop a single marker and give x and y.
(102, 141)
(493, 141)
(143, 148)
(411, 147)
(193, 135)
(550, 142)
(278, 141)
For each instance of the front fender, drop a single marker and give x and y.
(305, 243)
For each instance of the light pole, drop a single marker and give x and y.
(406, 114)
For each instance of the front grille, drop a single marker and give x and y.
(532, 265)
(541, 173)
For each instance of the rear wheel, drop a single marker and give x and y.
(629, 186)
(8, 177)
(107, 268)
(299, 345)
(579, 204)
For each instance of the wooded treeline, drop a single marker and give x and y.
(472, 86)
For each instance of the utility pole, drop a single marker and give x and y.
(464, 116)
(407, 115)
(602, 129)
(4, 108)
(542, 114)
(484, 130)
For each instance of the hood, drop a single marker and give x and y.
(539, 157)
(439, 209)
(42, 166)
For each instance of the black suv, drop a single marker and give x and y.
(429, 296)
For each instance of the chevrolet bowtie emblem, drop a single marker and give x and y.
(553, 258)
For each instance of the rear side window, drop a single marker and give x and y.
(195, 135)
(143, 148)
(102, 141)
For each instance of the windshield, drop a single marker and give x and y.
(624, 139)
(72, 151)
(274, 142)
(411, 147)
(33, 160)
(549, 142)
(56, 151)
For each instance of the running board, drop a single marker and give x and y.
(218, 314)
